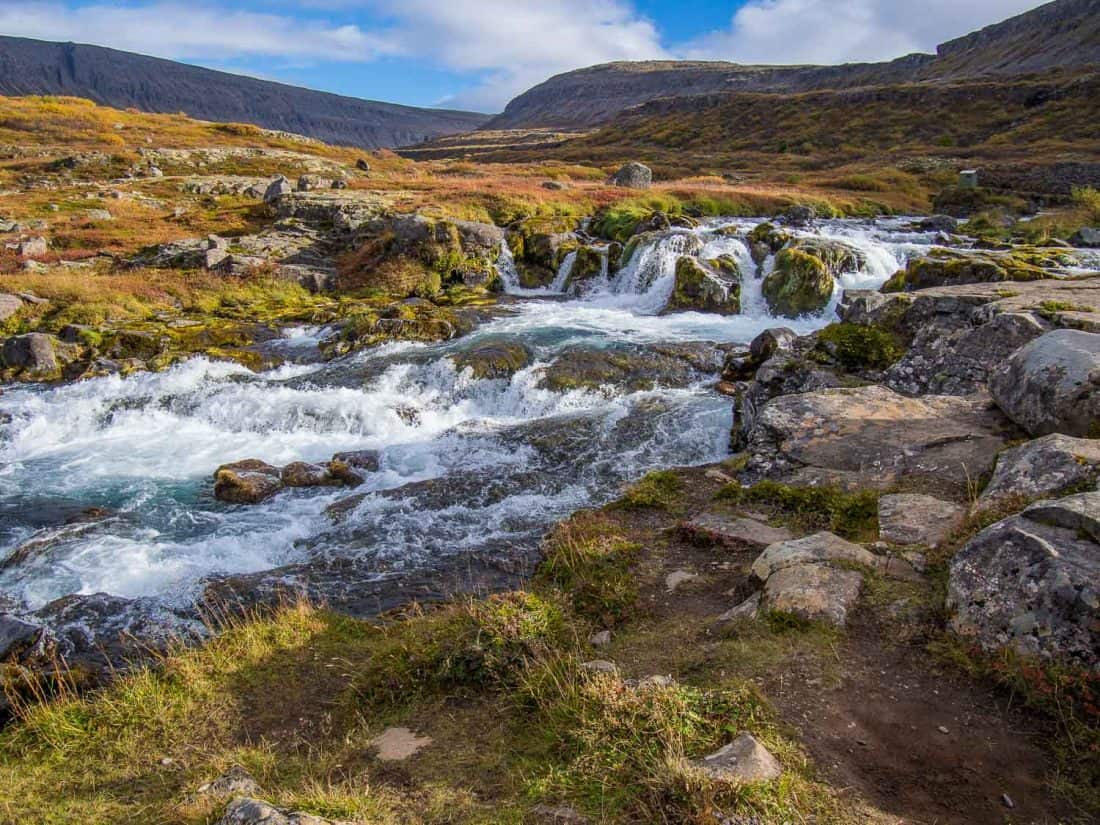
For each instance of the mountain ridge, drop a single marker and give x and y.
(128, 80)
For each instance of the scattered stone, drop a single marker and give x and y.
(276, 189)
(1007, 801)
(34, 354)
(1052, 385)
(98, 215)
(917, 519)
(1045, 466)
(246, 811)
(943, 730)
(398, 744)
(734, 531)
(555, 185)
(633, 176)
(33, 247)
(814, 592)
(1030, 582)
(676, 578)
(601, 639)
(9, 305)
(816, 549)
(742, 760)
(362, 165)
(748, 609)
(234, 782)
(600, 666)
(1086, 237)
(247, 482)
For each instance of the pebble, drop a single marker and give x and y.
(1007, 800)
(943, 730)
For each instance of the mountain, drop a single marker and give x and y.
(1063, 35)
(126, 80)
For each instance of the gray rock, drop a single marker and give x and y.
(367, 460)
(816, 549)
(362, 165)
(601, 639)
(873, 437)
(771, 341)
(247, 482)
(742, 760)
(1052, 385)
(556, 815)
(938, 223)
(748, 609)
(9, 305)
(814, 592)
(1045, 466)
(15, 636)
(234, 782)
(917, 519)
(33, 247)
(633, 175)
(600, 666)
(34, 353)
(734, 531)
(245, 811)
(799, 216)
(276, 189)
(1086, 237)
(98, 215)
(1032, 582)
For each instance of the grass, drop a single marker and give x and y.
(853, 515)
(657, 490)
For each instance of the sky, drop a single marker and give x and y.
(478, 54)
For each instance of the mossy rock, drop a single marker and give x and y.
(770, 236)
(411, 320)
(800, 284)
(856, 347)
(837, 256)
(493, 359)
(942, 267)
(700, 288)
(587, 266)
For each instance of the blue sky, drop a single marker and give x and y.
(477, 54)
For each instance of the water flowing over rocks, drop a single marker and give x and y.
(1030, 582)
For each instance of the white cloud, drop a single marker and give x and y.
(192, 31)
(839, 31)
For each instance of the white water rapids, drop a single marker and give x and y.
(507, 455)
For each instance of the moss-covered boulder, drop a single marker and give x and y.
(945, 267)
(587, 266)
(855, 347)
(493, 359)
(413, 319)
(714, 286)
(837, 256)
(539, 245)
(800, 284)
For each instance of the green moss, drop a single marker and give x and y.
(659, 490)
(850, 514)
(697, 289)
(799, 285)
(859, 347)
(1051, 309)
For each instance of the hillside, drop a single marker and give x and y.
(125, 80)
(1060, 35)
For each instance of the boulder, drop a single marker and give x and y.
(799, 215)
(365, 460)
(9, 305)
(813, 592)
(276, 189)
(633, 175)
(734, 531)
(493, 359)
(587, 266)
(742, 760)
(16, 636)
(910, 518)
(234, 782)
(33, 354)
(307, 183)
(799, 284)
(1052, 464)
(1086, 237)
(33, 247)
(944, 267)
(1032, 582)
(938, 223)
(247, 482)
(873, 437)
(702, 288)
(362, 165)
(1052, 385)
(819, 548)
(304, 474)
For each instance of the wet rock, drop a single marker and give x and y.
(656, 222)
(34, 354)
(701, 287)
(1086, 237)
(279, 187)
(799, 216)
(1051, 464)
(633, 369)
(734, 531)
(1030, 582)
(816, 549)
(16, 635)
(1052, 385)
(800, 284)
(813, 592)
(744, 760)
(938, 223)
(872, 437)
(304, 474)
(588, 264)
(910, 518)
(944, 267)
(368, 461)
(234, 782)
(247, 482)
(493, 359)
(633, 175)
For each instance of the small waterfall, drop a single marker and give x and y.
(506, 268)
(565, 269)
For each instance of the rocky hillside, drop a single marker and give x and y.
(125, 80)
(1061, 35)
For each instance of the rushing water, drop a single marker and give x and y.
(466, 464)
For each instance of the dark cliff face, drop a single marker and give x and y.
(1060, 35)
(123, 80)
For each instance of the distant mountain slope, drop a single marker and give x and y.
(125, 80)
(1061, 35)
